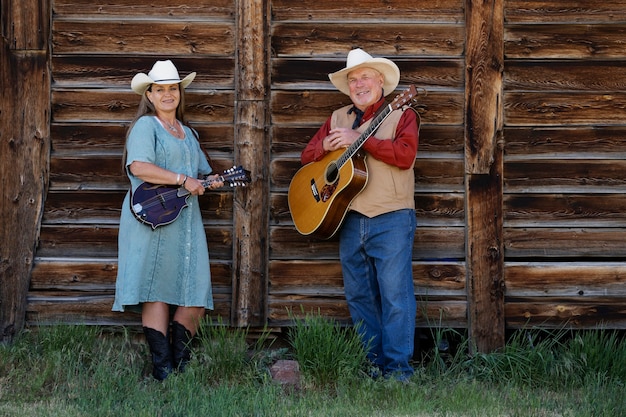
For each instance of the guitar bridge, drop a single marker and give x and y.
(314, 191)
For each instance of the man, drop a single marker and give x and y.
(376, 237)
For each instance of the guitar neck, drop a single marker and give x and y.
(356, 145)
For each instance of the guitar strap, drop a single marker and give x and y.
(419, 117)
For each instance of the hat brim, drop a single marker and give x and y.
(388, 68)
(141, 82)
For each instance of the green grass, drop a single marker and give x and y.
(327, 353)
(92, 371)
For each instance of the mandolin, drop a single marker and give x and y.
(157, 205)
(321, 192)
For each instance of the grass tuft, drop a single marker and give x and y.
(327, 352)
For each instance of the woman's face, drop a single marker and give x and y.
(164, 97)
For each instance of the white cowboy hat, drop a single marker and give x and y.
(358, 58)
(163, 72)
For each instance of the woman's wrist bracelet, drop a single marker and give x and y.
(177, 178)
(183, 184)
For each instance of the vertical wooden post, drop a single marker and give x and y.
(252, 151)
(24, 149)
(483, 172)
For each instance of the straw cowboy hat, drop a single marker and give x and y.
(163, 72)
(358, 58)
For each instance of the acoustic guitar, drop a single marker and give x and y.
(157, 205)
(321, 192)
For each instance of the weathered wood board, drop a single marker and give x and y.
(546, 158)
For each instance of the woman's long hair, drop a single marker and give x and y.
(147, 109)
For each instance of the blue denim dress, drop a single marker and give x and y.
(171, 263)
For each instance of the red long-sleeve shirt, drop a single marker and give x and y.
(399, 152)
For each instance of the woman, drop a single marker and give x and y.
(167, 266)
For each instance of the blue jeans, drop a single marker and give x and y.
(376, 255)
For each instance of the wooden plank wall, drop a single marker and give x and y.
(96, 50)
(564, 106)
(564, 163)
(426, 39)
(484, 67)
(24, 150)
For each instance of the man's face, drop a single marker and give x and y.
(366, 87)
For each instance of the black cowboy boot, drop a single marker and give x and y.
(181, 346)
(161, 353)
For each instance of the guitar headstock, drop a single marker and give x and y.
(408, 96)
(236, 176)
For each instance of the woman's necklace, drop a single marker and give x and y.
(170, 126)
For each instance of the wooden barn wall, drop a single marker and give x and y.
(564, 163)
(24, 150)
(564, 105)
(426, 39)
(96, 50)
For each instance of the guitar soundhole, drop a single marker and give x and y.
(332, 173)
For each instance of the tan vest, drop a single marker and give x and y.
(388, 188)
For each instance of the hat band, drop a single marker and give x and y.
(168, 79)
